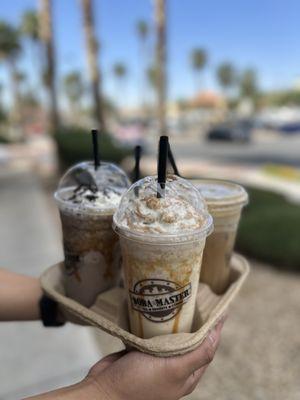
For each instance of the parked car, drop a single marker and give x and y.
(292, 127)
(233, 130)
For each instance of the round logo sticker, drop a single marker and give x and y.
(159, 300)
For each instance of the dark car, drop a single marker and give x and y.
(234, 131)
(290, 127)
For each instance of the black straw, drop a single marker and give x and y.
(162, 165)
(172, 161)
(137, 159)
(95, 148)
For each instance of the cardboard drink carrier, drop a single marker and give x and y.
(109, 312)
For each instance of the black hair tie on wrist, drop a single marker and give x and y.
(49, 312)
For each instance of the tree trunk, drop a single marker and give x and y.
(144, 61)
(46, 36)
(92, 48)
(197, 82)
(160, 22)
(17, 113)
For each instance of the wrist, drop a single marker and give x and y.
(49, 312)
(79, 391)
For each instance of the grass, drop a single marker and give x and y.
(283, 171)
(270, 230)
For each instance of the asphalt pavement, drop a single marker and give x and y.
(264, 147)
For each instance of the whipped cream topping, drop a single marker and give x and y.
(84, 197)
(161, 215)
(86, 189)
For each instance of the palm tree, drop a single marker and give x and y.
(248, 83)
(199, 61)
(92, 48)
(142, 29)
(30, 25)
(226, 76)
(46, 35)
(160, 69)
(9, 51)
(151, 76)
(21, 78)
(74, 89)
(30, 30)
(120, 72)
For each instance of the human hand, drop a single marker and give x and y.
(136, 376)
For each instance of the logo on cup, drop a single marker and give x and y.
(72, 264)
(159, 300)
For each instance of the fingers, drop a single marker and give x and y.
(201, 356)
(101, 365)
(205, 353)
(193, 380)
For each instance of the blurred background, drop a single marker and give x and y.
(223, 81)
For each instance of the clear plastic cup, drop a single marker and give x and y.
(161, 258)
(225, 201)
(87, 199)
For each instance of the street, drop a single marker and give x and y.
(261, 150)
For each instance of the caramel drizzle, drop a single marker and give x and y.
(176, 322)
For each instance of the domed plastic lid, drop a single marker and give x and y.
(221, 194)
(175, 213)
(92, 190)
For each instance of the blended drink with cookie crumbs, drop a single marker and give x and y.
(225, 201)
(162, 242)
(87, 199)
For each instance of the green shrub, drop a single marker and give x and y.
(74, 144)
(269, 230)
(4, 140)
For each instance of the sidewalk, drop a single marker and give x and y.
(258, 358)
(35, 359)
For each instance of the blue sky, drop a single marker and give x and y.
(263, 34)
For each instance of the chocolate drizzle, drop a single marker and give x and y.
(90, 193)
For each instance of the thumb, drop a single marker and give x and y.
(101, 365)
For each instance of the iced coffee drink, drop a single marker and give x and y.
(87, 199)
(162, 241)
(225, 201)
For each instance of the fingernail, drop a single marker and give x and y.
(213, 333)
(221, 320)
